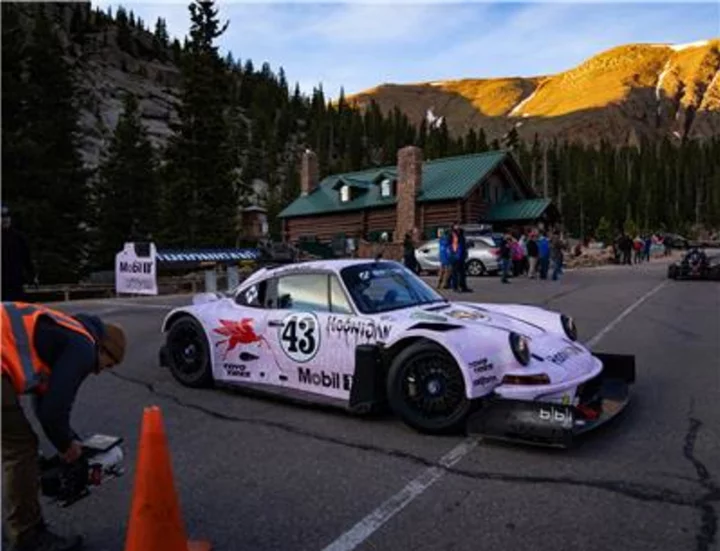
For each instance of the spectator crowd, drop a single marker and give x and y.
(531, 252)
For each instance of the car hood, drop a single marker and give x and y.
(475, 316)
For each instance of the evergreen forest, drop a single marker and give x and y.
(239, 122)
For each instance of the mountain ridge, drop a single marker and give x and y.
(621, 94)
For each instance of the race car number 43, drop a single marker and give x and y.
(300, 337)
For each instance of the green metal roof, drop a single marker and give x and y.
(528, 209)
(442, 179)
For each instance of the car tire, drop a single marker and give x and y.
(475, 268)
(441, 376)
(188, 354)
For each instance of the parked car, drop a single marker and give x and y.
(482, 256)
(475, 231)
(675, 241)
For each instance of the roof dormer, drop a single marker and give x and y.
(350, 188)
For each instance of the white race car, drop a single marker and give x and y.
(362, 333)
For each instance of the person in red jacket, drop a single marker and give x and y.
(46, 354)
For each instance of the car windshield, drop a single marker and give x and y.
(383, 286)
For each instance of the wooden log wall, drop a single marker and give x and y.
(441, 213)
(326, 226)
(390, 251)
(381, 220)
(474, 207)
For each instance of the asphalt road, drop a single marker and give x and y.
(258, 474)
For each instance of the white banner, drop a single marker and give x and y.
(136, 273)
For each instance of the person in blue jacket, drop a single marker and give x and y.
(544, 255)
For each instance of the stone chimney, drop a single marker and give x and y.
(409, 169)
(309, 175)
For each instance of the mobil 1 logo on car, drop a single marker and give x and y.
(321, 379)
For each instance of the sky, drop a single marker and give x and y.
(361, 45)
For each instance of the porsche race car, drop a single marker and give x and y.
(363, 334)
(696, 264)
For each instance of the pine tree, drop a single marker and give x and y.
(176, 51)
(78, 26)
(127, 192)
(17, 150)
(471, 141)
(53, 179)
(512, 139)
(160, 36)
(482, 142)
(201, 171)
(124, 36)
(603, 232)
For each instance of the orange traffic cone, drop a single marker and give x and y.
(155, 520)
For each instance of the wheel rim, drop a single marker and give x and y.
(475, 268)
(188, 352)
(432, 388)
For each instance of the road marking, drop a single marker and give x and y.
(372, 522)
(625, 313)
(364, 529)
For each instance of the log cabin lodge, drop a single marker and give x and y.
(487, 188)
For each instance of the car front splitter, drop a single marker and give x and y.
(544, 423)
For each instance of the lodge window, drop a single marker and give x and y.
(386, 188)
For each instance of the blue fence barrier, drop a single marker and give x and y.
(209, 255)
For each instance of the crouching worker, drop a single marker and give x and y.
(46, 354)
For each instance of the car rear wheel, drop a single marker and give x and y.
(475, 268)
(187, 353)
(426, 389)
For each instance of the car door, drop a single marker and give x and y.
(240, 347)
(306, 306)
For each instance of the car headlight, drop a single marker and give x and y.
(520, 348)
(569, 327)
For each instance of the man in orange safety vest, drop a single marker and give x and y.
(46, 354)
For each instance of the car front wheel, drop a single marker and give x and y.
(187, 353)
(426, 389)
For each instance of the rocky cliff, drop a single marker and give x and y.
(104, 71)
